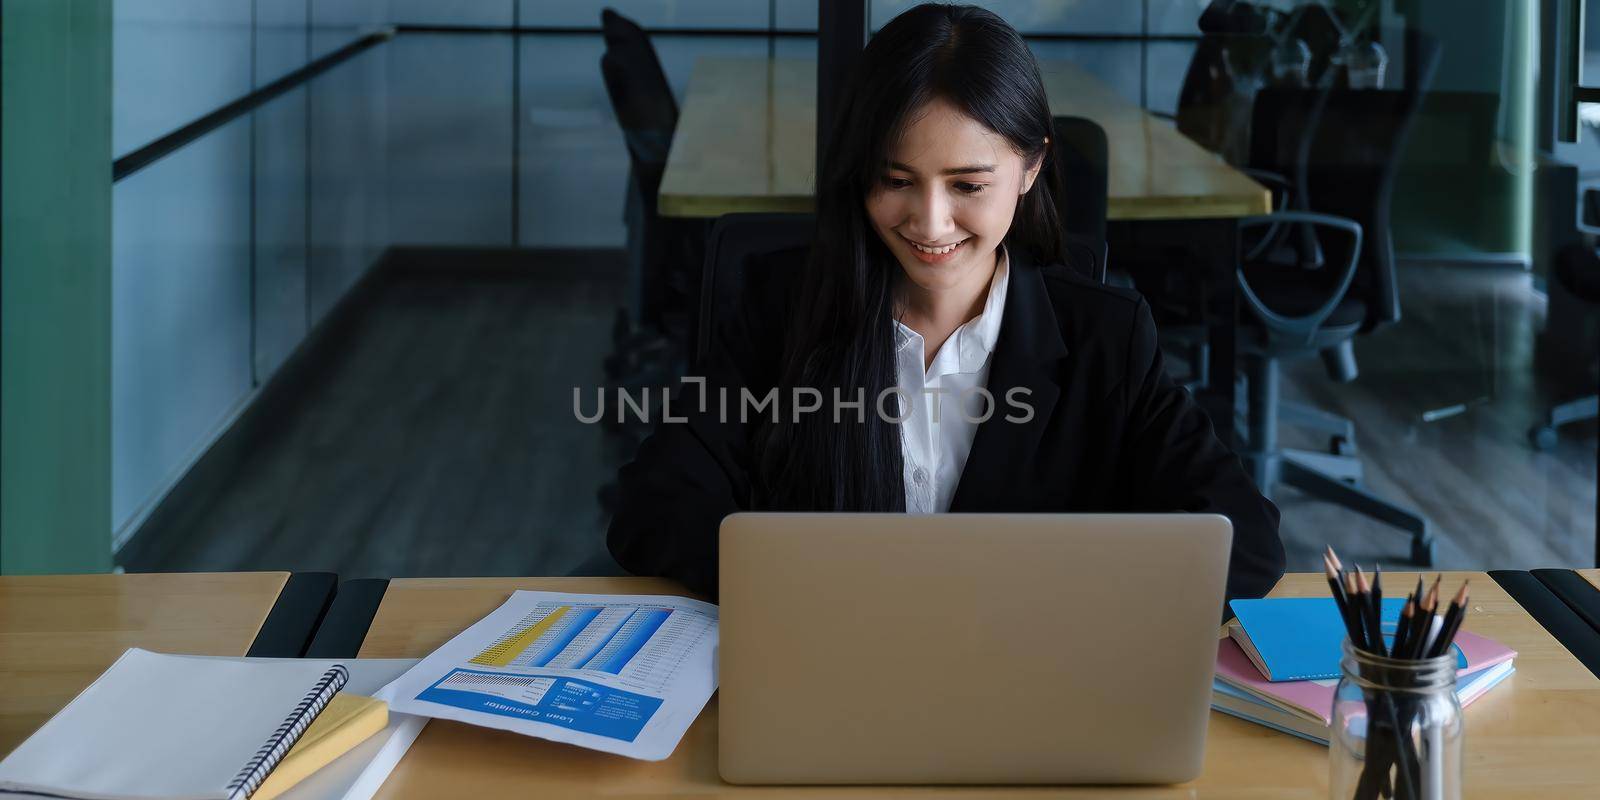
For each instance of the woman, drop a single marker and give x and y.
(937, 271)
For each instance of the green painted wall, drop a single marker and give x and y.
(1465, 183)
(55, 286)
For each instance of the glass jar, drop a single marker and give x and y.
(1378, 696)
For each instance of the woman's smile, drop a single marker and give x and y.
(936, 255)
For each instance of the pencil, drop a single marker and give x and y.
(1369, 614)
(1403, 630)
(1410, 626)
(1452, 623)
(1420, 626)
(1339, 597)
(1358, 629)
(1331, 558)
(1419, 646)
(1376, 598)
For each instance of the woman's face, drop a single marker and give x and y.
(949, 182)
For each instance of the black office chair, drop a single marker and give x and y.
(641, 351)
(1080, 154)
(666, 253)
(1295, 310)
(647, 122)
(1219, 88)
(1322, 32)
(736, 239)
(1235, 16)
(1228, 67)
(623, 35)
(1575, 290)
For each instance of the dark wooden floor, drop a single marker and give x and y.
(439, 438)
(1465, 343)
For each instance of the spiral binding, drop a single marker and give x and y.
(266, 759)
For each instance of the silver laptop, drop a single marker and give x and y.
(968, 648)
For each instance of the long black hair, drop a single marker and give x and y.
(840, 337)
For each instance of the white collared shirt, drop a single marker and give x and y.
(945, 403)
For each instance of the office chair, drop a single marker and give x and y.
(736, 239)
(624, 35)
(666, 253)
(648, 142)
(1080, 154)
(1234, 16)
(1294, 310)
(1228, 67)
(1218, 89)
(1316, 25)
(1576, 278)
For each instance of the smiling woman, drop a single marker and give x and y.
(939, 91)
(936, 273)
(943, 207)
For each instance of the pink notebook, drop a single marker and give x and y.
(1314, 699)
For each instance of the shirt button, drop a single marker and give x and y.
(919, 476)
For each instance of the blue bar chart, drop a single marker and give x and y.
(604, 638)
(618, 673)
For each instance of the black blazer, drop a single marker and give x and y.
(1110, 431)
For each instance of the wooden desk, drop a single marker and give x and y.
(1534, 736)
(1564, 604)
(59, 632)
(1590, 575)
(746, 142)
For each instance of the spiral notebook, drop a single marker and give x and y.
(180, 727)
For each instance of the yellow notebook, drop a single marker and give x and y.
(347, 721)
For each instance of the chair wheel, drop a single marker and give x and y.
(1542, 437)
(1341, 446)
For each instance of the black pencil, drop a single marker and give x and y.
(1340, 599)
(1403, 630)
(1418, 630)
(1411, 636)
(1369, 614)
(1331, 559)
(1424, 631)
(1377, 605)
(1358, 628)
(1452, 623)
(1333, 580)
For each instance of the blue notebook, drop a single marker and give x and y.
(1300, 638)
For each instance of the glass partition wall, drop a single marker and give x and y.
(362, 253)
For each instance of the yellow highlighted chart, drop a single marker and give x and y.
(605, 637)
(511, 645)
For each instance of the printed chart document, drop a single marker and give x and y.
(625, 674)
